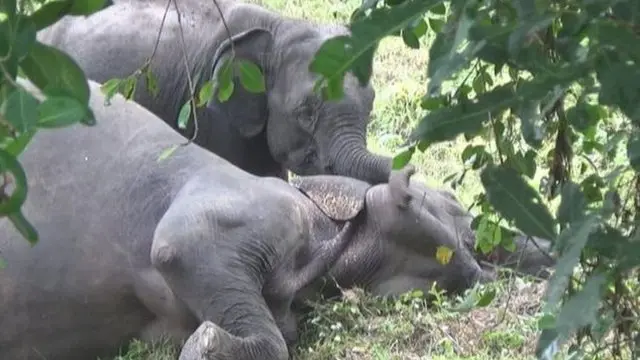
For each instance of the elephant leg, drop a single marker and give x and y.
(214, 281)
(174, 320)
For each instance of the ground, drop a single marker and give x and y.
(364, 328)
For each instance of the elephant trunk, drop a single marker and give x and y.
(351, 158)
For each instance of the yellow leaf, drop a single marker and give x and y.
(443, 255)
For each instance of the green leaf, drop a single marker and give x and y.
(24, 227)
(224, 93)
(366, 32)
(25, 37)
(431, 103)
(86, 7)
(570, 243)
(410, 39)
(110, 88)
(616, 34)
(167, 152)
(12, 202)
(55, 73)
(419, 27)
(334, 89)
(8, 7)
(58, 111)
(403, 158)
(436, 24)
(467, 117)
(518, 38)
(573, 204)
(529, 114)
(183, 116)
(444, 58)
(3, 263)
(487, 297)
(579, 311)
(206, 93)
(152, 82)
(439, 9)
(20, 110)
(251, 77)
(17, 146)
(633, 150)
(547, 321)
(330, 56)
(128, 88)
(49, 13)
(619, 81)
(225, 80)
(517, 201)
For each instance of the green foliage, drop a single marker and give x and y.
(56, 74)
(549, 85)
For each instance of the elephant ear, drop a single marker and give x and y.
(340, 198)
(247, 110)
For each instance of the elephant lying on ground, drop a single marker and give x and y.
(288, 127)
(131, 247)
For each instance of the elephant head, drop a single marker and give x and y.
(400, 233)
(530, 256)
(305, 133)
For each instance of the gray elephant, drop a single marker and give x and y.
(135, 248)
(287, 127)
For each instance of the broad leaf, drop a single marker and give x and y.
(55, 73)
(224, 80)
(50, 12)
(581, 310)
(403, 158)
(86, 7)
(571, 241)
(25, 37)
(152, 82)
(206, 93)
(183, 116)
(573, 204)
(517, 201)
(59, 111)
(110, 88)
(444, 58)
(17, 146)
(355, 53)
(20, 110)
(251, 77)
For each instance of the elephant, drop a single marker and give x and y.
(287, 127)
(133, 247)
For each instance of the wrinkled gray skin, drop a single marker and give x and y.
(130, 247)
(289, 127)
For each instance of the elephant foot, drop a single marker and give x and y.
(211, 342)
(208, 342)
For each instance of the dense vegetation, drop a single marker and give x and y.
(527, 108)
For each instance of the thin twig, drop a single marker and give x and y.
(189, 79)
(226, 27)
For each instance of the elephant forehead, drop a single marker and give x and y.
(339, 199)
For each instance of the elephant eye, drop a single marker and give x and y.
(308, 115)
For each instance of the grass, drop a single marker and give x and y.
(361, 327)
